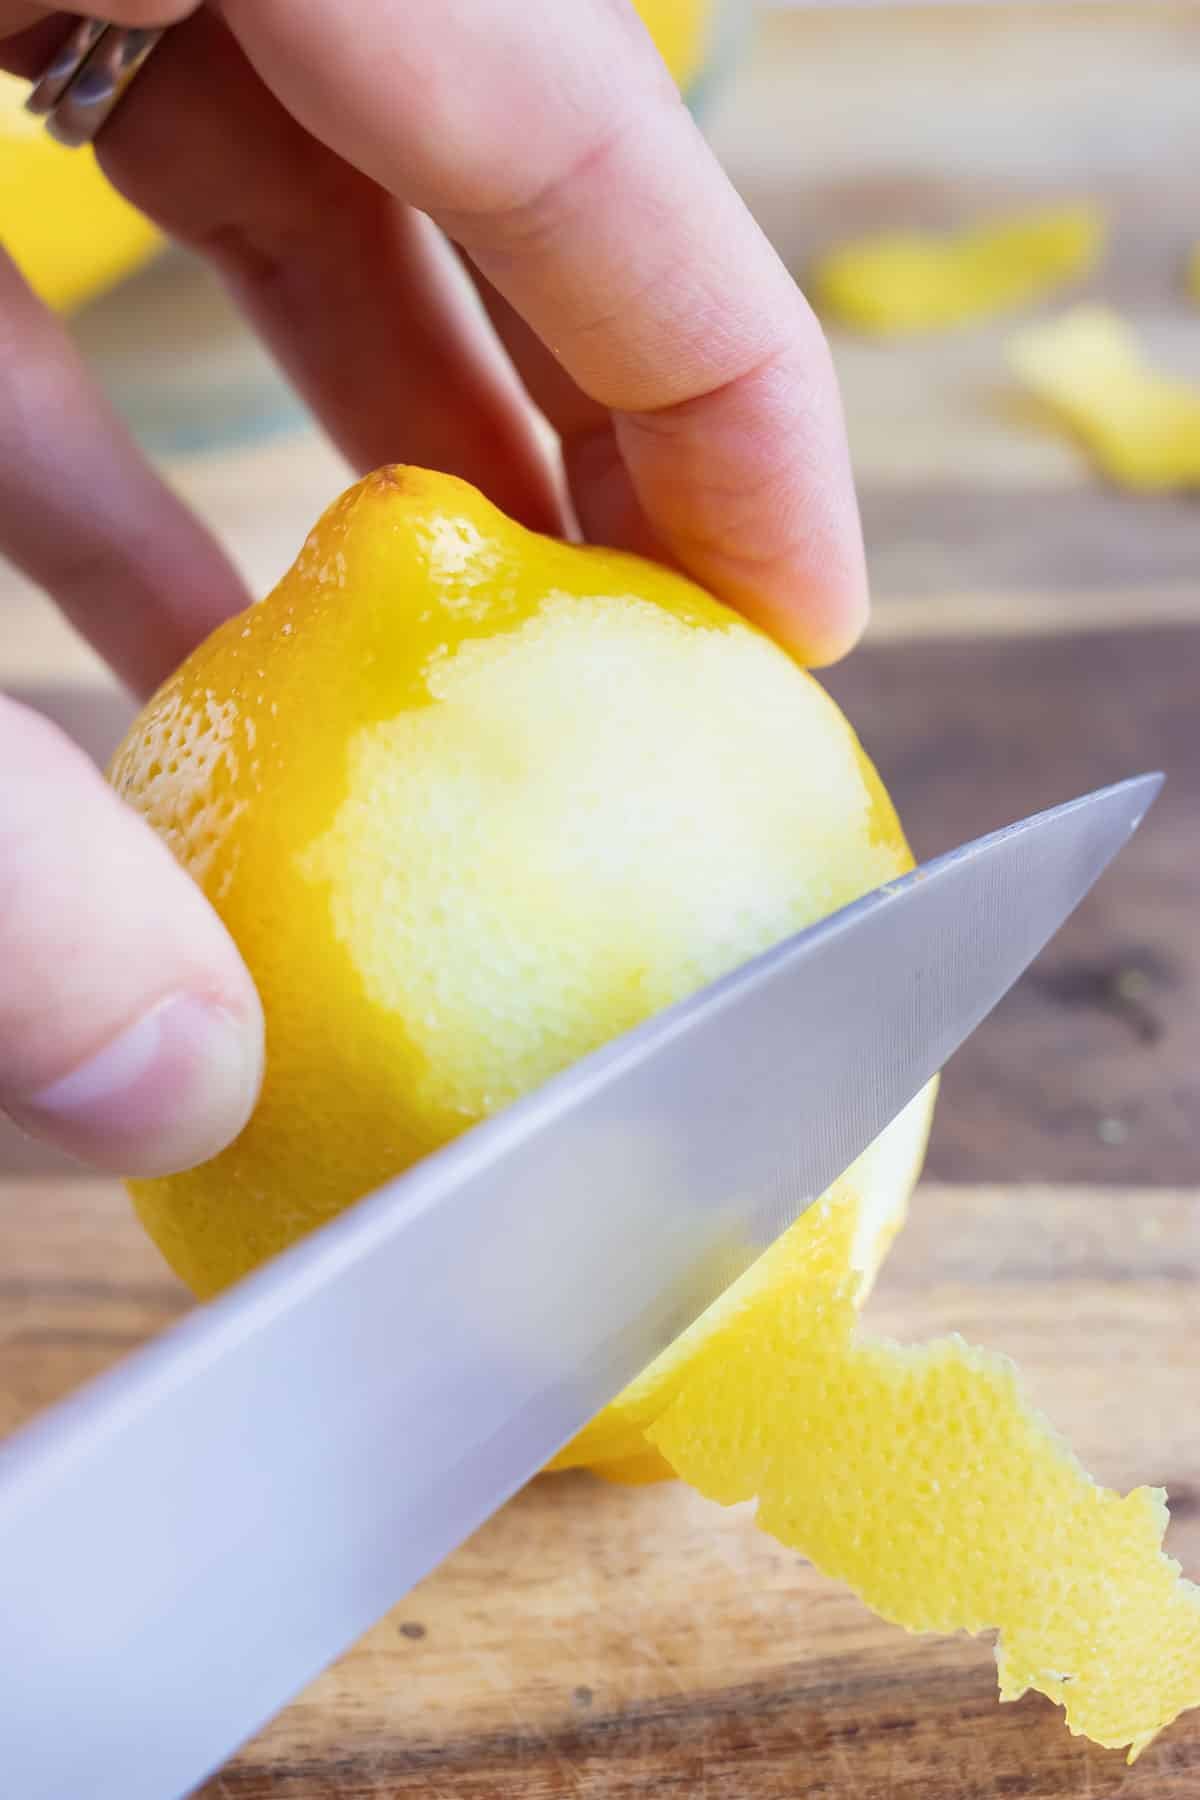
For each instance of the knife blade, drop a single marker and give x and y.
(185, 1542)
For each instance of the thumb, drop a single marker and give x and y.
(130, 1031)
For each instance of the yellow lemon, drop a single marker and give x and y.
(682, 31)
(472, 801)
(68, 231)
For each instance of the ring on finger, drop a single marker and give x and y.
(88, 76)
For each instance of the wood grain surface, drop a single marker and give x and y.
(609, 1642)
(1035, 634)
(1090, 1069)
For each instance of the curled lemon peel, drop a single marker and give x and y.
(908, 281)
(923, 1478)
(1141, 428)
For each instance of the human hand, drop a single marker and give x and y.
(640, 308)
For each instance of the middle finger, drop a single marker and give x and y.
(346, 284)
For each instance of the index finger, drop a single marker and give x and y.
(551, 145)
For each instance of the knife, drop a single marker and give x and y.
(188, 1540)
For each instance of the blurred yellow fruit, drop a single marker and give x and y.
(66, 228)
(682, 30)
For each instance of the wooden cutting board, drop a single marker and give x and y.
(1035, 634)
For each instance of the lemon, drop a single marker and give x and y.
(472, 801)
(1140, 425)
(68, 231)
(682, 31)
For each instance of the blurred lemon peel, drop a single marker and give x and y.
(1141, 428)
(906, 281)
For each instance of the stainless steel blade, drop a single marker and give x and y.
(184, 1543)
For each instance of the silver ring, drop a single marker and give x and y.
(86, 77)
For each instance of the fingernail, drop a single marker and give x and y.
(166, 1093)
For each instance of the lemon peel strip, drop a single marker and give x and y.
(924, 1479)
(867, 1206)
(909, 281)
(1141, 428)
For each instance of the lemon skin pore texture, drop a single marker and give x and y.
(473, 801)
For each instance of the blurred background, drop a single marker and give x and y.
(1035, 627)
